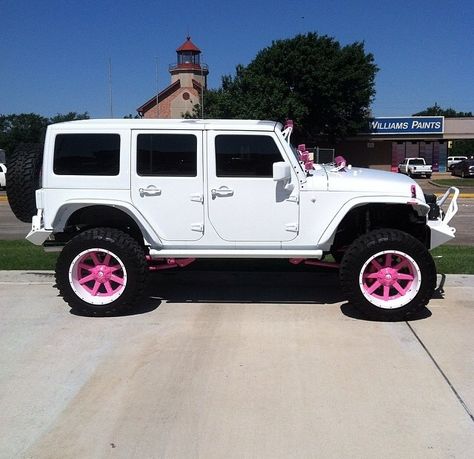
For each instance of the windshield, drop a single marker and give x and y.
(418, 162)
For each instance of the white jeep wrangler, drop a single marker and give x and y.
(119, 198)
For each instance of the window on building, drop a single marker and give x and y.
(167, 155)
(87, 154)
(246, 155)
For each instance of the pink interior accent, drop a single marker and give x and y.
(340, 161)
(309, 165)
(388, 277)
(100, 274)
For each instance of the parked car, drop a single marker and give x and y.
(464, 168)
(415, 167)
(452, 160)
(3, 176)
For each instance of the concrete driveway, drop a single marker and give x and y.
(232, 364)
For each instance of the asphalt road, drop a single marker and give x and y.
(234, 364)
(11, 228)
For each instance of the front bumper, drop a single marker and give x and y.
(440, 231)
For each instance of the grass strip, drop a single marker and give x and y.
(21, 255)
(466, 183)
(454, 259)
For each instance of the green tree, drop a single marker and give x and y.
(29, 127)
(22, 128)
(325, 88)
(459, 147)
(436, 110)
(71, 116)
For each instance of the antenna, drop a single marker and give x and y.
(157, 89)
(111, 107)
(202, 88)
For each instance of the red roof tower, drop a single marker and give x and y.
(189, 61)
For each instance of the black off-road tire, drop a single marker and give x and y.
(24, 168)
(123, 248)
(366, 247)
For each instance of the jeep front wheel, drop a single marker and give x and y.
(388, 274)
(102, 271)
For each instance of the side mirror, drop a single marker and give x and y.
(281, 171)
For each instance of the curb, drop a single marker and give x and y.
(48, 277)
(461, 195)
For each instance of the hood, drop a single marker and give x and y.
(372, 181)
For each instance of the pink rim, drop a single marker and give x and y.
(97, 276)
(390, 279)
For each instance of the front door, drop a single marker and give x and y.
(245, 203)
(167, 182)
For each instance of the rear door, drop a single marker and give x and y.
(167, 182)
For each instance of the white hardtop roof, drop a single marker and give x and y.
(93, 124)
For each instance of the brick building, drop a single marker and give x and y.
(188, 78)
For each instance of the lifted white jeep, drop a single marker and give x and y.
(119, 198)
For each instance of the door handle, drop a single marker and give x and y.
(149, 191)
(221, 192)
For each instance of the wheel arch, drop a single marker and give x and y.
(358, 217)
(73, 218)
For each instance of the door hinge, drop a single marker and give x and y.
(197, 197)
(292, 227)
(199, 227)
(293, 198)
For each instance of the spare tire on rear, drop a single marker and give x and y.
(23, 179)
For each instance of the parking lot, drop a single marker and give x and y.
(233, 363)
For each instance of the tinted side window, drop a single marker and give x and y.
(87, 154)
(246, 155)
(167, 155)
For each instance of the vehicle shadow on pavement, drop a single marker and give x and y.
(349, 311)
(253, 281)
(250, 281)
(148, 305)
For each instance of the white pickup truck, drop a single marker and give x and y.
(414, 167)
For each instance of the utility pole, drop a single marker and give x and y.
(110, 89)
(157, 89)
(202, 89)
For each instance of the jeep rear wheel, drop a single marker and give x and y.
(24, 167)
(102, 271)
(388, 274)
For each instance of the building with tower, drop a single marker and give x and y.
(188, 79)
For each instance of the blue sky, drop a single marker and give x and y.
(54, 54)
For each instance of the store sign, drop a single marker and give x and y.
(407, 125)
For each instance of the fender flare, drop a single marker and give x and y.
(327, 237)
(64, 212)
